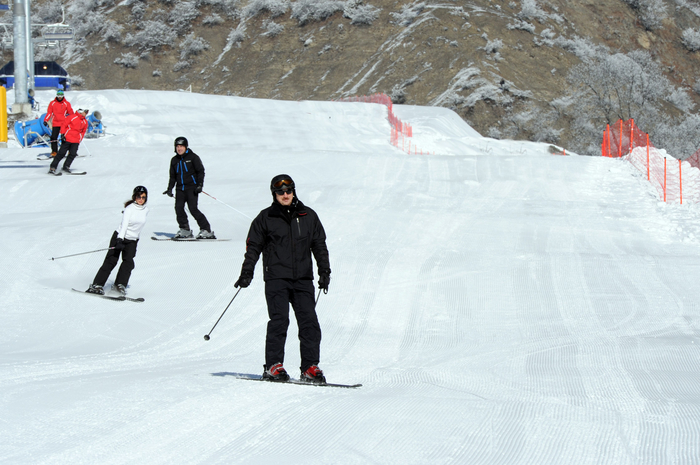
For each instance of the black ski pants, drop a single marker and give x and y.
(55, 133)
(71, 148)
(300, 293)
(111, 260)
(190, 198)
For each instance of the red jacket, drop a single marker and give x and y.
(76, 127)
(59, 111)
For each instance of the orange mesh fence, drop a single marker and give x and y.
(675, 180)
(401, 132)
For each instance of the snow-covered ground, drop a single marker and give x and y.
(500, 305)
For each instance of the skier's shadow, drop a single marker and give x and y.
(238, 375)
(164, 234)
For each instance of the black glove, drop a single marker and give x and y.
(244, 280)
(324, 279)
(63, 138)
(119, 245)
(168, 193)
(46, 124)
(198, 189)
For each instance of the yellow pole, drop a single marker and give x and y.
(3, 115)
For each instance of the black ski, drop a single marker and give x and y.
(108, 297)
(75, 173)
(194, 239)
(290, 381)
(134, 299)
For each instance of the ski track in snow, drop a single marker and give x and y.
(499, 304)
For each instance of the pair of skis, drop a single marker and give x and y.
(112, 297)
(72, 173)
(298, 382)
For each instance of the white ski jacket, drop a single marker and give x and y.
(133, 221)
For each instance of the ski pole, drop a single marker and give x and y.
(318, 296)
(206, 336)
(229, 206)
(81, 253)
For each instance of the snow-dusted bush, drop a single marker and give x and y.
(493, 46)
(212, 20)
(408, 14)
(128, 60)
(138, 11)
(237, 35)
(619, 86)
(306, 11)
(360, 14)
(691, 39)
(192, 45)
(271, 28)
(651, 12)
(680, 138)
(182, 15)
(274, 7)
(152, 36)
(157, 73)
(47, 13)
(681, 100)
(111, 31)
(180, 65)
(521, 25)
(530, 10)
(76, 80)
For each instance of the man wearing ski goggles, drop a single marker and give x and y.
(286, 234)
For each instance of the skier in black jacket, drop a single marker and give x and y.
(287, 233)
(187, 175)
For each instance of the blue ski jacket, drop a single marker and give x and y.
(186, 170)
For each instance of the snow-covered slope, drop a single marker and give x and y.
(499, 304)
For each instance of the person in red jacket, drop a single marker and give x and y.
(76, 127)
(58, 111)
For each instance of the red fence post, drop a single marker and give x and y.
(648, 176)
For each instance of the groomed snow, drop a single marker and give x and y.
(499, 304)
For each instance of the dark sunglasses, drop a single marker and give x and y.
(142, 196)
(282, 192)
(283, 182)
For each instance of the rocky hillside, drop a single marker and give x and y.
(508, 67)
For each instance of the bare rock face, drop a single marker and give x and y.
(488, 60)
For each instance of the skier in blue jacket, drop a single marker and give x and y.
(187, 177)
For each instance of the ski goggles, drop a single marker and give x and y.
(282, 183)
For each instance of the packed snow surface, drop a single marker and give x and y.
(499, 304)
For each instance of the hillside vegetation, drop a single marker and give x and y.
(543, 70)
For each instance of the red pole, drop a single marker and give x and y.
(619, 147)
(648, 177)
(664, 179)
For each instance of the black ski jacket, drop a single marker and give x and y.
(186, 170)
(286, 237)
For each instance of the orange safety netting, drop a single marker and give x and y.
(401, 133)
(675, 180)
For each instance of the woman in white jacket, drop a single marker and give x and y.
(123, 243)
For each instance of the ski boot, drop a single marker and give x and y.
(121, 289)
(275, 373)
(67, 169)
(95, 289)
(183, 234)
(53, 171)
(313, 375)
(204, 234)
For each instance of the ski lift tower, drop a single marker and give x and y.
(19, 25)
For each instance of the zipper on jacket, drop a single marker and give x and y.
(298, 226)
